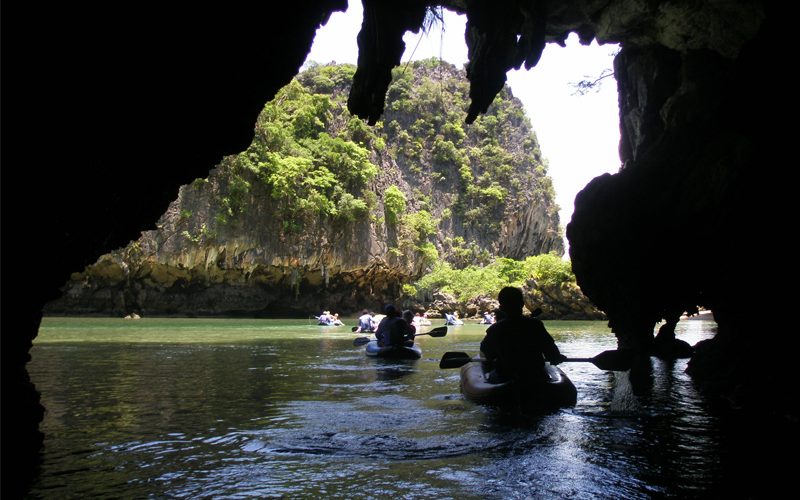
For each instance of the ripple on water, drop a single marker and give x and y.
(310, 418)
(382, 427)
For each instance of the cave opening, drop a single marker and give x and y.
(570, 96)
(698, 93)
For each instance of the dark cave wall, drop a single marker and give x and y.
(647, 227)
(106, 112)
(679, 226)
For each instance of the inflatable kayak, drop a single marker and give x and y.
(557, 392)
(393, 352)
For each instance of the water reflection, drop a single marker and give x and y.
(299, 414)
(387, 372)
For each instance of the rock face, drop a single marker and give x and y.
(562, 301)
(666, 230)
(100, 180)
(232, 243)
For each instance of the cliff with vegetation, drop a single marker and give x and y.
(325, 211)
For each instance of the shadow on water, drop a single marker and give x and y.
(299, 413)
(388, 370)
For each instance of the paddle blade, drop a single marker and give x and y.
(361, 341)
(454, 360)
(615, 360)
(439, 331)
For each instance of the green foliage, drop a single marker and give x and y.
(423, 200)
(203, 235)
(493, 193)
(409, 290)
(351, 208)
(474, 281)
(295, 179)
(446, 152)
(359, 131)
(308, 113)
(234, 193)
(422, 128)
(462, 256)
(274, 136)
(238, 189)
(453, 132)
(463, 284)
(189, 237)
(400, 89)
(428, 253)
(421, 223)
(328, 78)
(291, 226)
(465, 174)
(549, 269)
(349, 161)
(310, 172)
(394, 204)
(512, 271)
(371, 200)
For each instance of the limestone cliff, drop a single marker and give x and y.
(323, 211)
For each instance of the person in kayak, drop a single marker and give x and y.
(452, 319)
(516, 347)
(408, 317)
(393, 329)
(324, 318)
(365, 322)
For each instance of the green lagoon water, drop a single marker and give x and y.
(242, 408)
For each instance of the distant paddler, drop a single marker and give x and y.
(366, 322)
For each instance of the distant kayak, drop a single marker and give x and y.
(331, 321)
(558, 391)
(452, 320)
(393, 352)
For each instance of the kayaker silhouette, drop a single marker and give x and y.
(393, 329)
(515, 347)
(408, 317)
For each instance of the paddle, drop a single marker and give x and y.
(614, 360)
(439, 331)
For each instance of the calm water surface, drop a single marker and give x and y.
(281, 408)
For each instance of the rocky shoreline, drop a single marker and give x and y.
(112, 295)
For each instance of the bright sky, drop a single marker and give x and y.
(578, 135)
